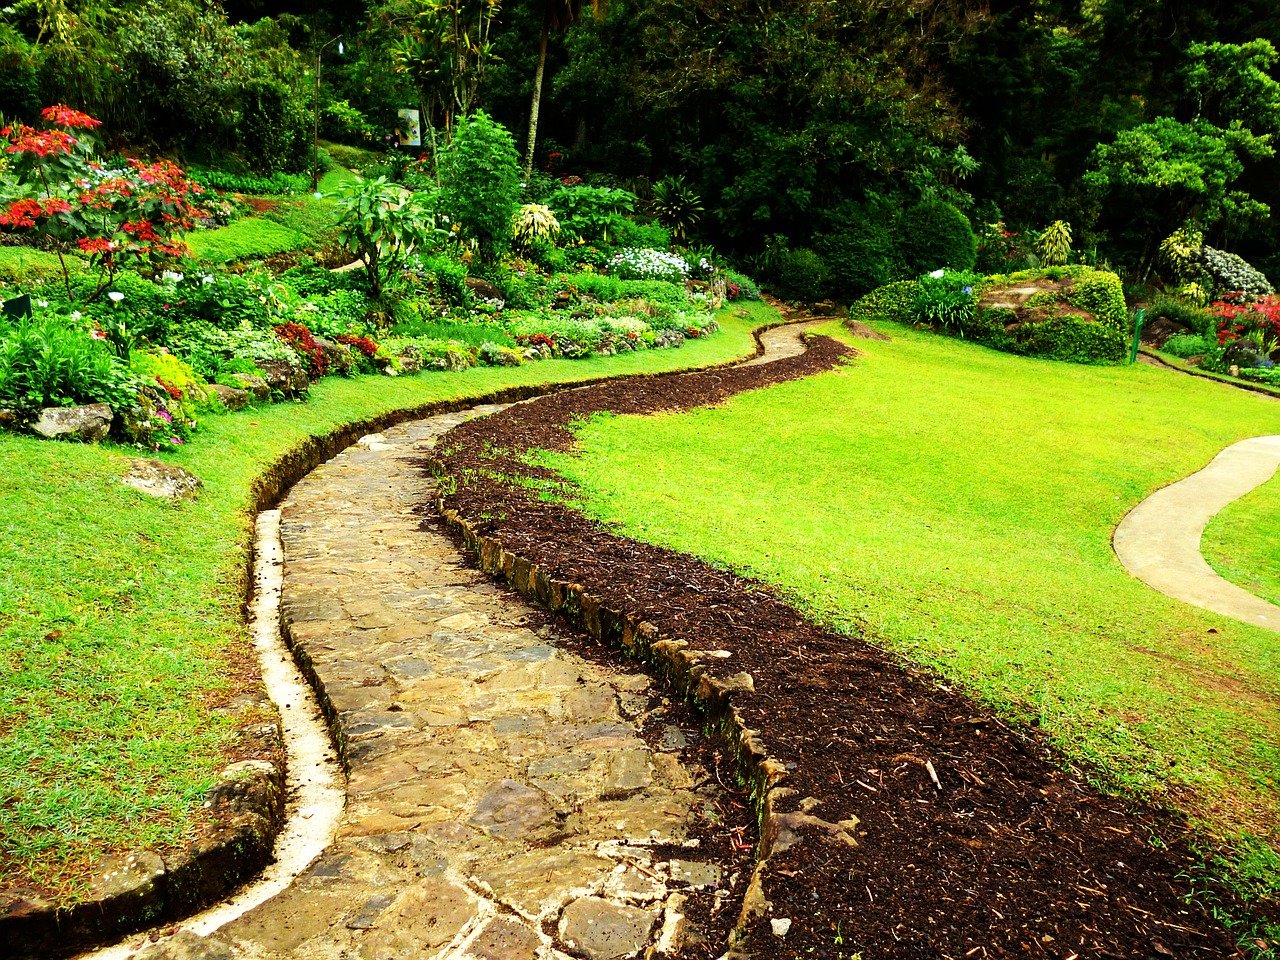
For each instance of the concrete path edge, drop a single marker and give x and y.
(1158, 541)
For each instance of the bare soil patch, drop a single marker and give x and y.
(975, 838)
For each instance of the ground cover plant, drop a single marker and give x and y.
(964, 521)
(115, 666)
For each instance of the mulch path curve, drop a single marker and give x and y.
(1010, 853)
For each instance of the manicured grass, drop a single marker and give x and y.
(956, 505)
(120, 621)
(244, 238)
(23, 265)
(1242, 543)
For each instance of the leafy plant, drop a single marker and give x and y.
(535, 223)
(480, 183)
(382, 225)
(1228, 273)
(49, 361)
(947, 301)
(1054, 244)
(1186, 345)
(677, 205)
(276, 184)
(591, 214)
(798, 274)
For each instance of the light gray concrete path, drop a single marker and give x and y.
(502, 803)
(1159, 540)
(785, 341)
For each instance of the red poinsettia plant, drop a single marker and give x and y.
(133, 215)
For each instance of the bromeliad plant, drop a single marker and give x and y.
(127, 216)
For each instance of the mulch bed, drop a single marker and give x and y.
(1010, 853)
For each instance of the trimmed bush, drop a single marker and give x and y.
(860, 256)
(893, 301)
(798, 274)
(936, 234)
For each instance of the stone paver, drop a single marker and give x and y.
(1159, 540)
(501, 804)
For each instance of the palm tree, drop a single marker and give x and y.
(557, 14)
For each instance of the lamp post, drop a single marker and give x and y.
(315, 132)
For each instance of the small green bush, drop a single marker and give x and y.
(50, 361)
(859, 251)
(480, 182)
(1186, 345)
(798, 274)
(893, 301)
(1073, 339)
(1179, 311)
(933, 235)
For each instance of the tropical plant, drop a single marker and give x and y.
(677, 205)
(592, 214)
(382, 225)
(535, 223)
(50, 360)
(1054, 244)
(1180, 249)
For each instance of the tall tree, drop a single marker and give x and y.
(557, 15)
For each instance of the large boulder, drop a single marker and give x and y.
(484, 290)
(288, 378)
(257, 386)
(1242, 353)
(337, 357)
(231, 397)
(161, 479)
(90, 423)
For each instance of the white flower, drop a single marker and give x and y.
(170, 276)
(42, 304)
(75, 314)
(318, 195)
(115, 296)
(937, 274)
(207, 279)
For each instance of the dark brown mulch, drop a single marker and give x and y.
(1010, 854)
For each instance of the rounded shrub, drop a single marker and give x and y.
(272, 128)
(860, 256)
(934, 235)
(798, 274)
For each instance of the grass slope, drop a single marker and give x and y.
(957, 504)
(120, 622)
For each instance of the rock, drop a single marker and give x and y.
(563, 300)
(410, 360)
(692, 873)
(367, 915)
(186, 945)
(257, 386)
(600, 930)
(780, 927)
(627, 772)
(1242, 353)
(511, 810)
(484, 290)
(90, 423)
(505, 938)
(233, 398)
(161, 479)
(286, 377)
(1158, 331)
(337, 356)
(129, 886)
(829, 308)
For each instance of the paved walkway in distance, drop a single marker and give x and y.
(1159, 540)
(501, 803)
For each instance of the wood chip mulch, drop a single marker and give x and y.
(974, 838)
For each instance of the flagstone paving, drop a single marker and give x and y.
(502, 802)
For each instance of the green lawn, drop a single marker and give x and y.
(119, 615)
(956, 505)
(1242, 543)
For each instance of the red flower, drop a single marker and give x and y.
(22, 213)
(96, 245)
(56, 205)
(40, 142)
(64, 116)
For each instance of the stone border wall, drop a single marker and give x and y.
(247, 806)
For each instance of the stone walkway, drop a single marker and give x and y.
(1159, 540)
(502, 803)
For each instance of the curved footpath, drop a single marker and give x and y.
(1159, 540)
(507, 797)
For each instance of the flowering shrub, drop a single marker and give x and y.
(304, 344)
(119, 217)
(643, 263)
(1258, 320)
(1228, 273)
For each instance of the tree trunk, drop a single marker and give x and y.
(537, 101)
